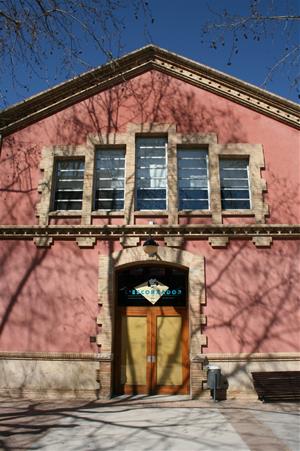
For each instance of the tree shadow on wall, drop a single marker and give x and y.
(156, 98)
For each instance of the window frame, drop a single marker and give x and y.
(108, 148)
(236, 158)
(55, 181)
(153, 210)
(257, 185)
(172, 215)
(200, 147)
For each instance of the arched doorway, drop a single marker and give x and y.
(151, 330)
(109, 265)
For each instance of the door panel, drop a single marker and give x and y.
(151, 350)
(134, 350)
(168, 350)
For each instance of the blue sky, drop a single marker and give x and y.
(177, 27)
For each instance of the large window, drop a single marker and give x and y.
(193, 179)
(68, 184)
(151, 173)
(109, 179)
(130, 177)
(234, 176)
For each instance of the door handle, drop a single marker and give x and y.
(151, 359)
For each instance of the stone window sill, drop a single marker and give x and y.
(65, 213)
(101, 213)
(195, 213)
(238, 213)
(151, 213)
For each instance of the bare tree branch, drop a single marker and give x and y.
(263, 23)
(38, 37)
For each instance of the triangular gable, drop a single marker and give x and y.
(140, 61)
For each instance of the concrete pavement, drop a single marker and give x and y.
(156, 423)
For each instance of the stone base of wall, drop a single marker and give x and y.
(79, 376)
(54, 394)
(49, 375)
(237, 368)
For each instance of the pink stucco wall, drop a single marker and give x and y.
(48, 297)
(152, 97)
(252, 296)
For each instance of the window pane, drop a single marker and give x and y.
(234, 173)
(155, 152)
(193, 179)
(68, 205)
(152, 162)
(109, 194)
(195, 205)
(234, 163)
(68, 184)
(109, 163)
(192, 172)
(192, 162)
(235, 204)
(200, 182)
(72, 184)
(192, 153)
(235, 193)
(151, 143)
(151, 204)
(109, 179)
(68, 195)
(152, 183)
(110, 204)
(151, 171)
(109, 183)
(235, 183)
(193, 194)
(68, 165)
(104, 173)
(151, 194)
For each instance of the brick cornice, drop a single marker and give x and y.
(138, 62)
(190, 232)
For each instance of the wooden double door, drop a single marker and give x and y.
(151, 350)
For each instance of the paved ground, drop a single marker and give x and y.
(156, 424)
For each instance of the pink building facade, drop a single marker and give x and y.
(152, 146)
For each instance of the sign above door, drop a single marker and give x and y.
(152, 284)
(152, 290)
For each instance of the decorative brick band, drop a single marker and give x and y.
(14, 355)
(188, 232)
(255, 357)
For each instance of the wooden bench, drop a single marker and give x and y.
(277, 385)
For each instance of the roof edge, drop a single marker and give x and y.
(83, 86)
